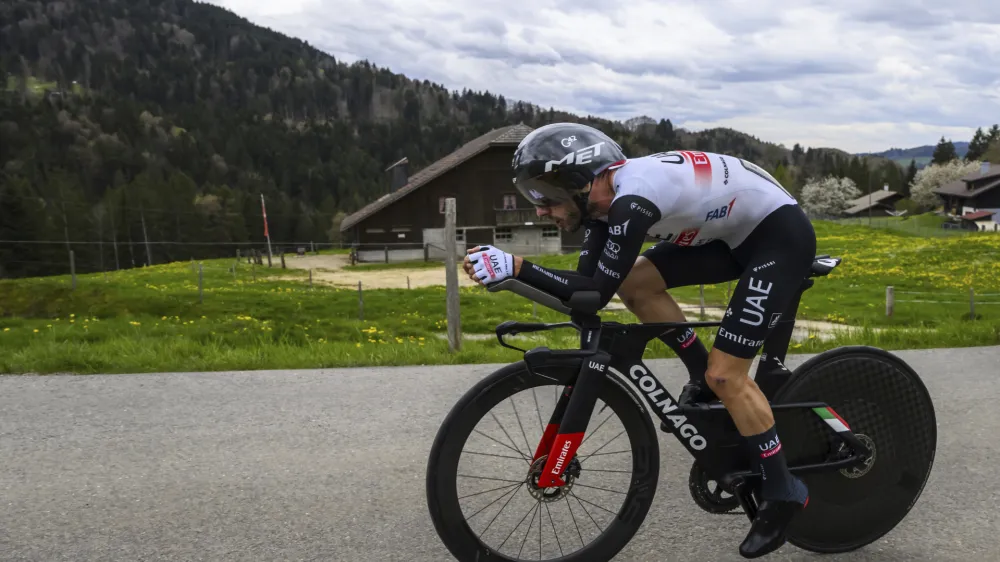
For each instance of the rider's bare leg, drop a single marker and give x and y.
(782, 493)
(729, 377)
(645, 294)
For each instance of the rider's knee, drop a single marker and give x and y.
(723, 381)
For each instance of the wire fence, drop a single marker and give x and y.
(971, 298)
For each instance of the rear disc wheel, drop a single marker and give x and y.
(886, 405)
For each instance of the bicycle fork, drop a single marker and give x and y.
(568, 423)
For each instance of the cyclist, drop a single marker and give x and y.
(718, 218)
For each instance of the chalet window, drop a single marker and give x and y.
(400, 229)
(374, 230)
(509, 201)
(503, 235)
(550, 232)
(460, 235)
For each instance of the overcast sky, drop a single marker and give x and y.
(851, 74)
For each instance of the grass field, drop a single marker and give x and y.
(151, 320)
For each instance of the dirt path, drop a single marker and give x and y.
(335, 270)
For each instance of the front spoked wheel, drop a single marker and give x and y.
(482, 475)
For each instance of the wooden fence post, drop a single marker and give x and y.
(361, 303)
(310, 278)
(972, 304)
(283, 259)
(890, 300)
(387, 254)
(451, 276)
(701, 298)
(72, 268)
(201, 286)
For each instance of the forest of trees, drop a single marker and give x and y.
(166, 120)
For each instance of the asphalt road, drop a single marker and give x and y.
(330, 465)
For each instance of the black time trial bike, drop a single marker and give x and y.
(857, 425)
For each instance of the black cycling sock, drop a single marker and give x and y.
(690, 350)
(777, 482)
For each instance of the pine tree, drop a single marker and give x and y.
(944, 152)
(977, 146)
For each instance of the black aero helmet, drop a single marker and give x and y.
(555, 162)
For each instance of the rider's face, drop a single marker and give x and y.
(565, 215)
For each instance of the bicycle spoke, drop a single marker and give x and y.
(499, 512)
(495, 455)
(490, 478)
(585, 510)
(591, 433)
(540, 529)
(577, 483)
(518, 526)
(600, 454)
(538, 509)
(569, 505)
(524, 458)
(504, 430)
(516, 488)
(538, 409)
(523, 434)
(602, 446)
(554, 532)
(492, 490)
(608, 470)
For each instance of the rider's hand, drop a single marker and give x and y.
(489, 264)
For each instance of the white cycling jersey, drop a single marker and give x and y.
(701, 196)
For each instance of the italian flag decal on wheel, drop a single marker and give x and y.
(831, 418)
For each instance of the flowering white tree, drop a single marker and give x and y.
(937, 175)
(828, 195)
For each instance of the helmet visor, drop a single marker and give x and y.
(542, 190)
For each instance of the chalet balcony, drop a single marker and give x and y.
(517, 217)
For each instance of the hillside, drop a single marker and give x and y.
(920, 154)
(166, 120)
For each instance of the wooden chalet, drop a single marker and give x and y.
(407, 223)
(979, 191)
(877, 204)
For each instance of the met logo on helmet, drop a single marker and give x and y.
(581, 156)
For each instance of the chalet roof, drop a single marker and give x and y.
(510, 135)
(978, 215)
(862, 203)
(959, 188)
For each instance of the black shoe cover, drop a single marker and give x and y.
(694, 392)
(767, 532)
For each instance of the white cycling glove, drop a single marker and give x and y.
(492, 264)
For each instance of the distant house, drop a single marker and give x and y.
(408, 222)
(981, 220)
(976, 192)
(879, 203)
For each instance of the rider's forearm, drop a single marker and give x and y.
(595, 236)
(620, 252)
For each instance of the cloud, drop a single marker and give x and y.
(851, 74)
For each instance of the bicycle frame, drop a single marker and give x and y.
(706, 431)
